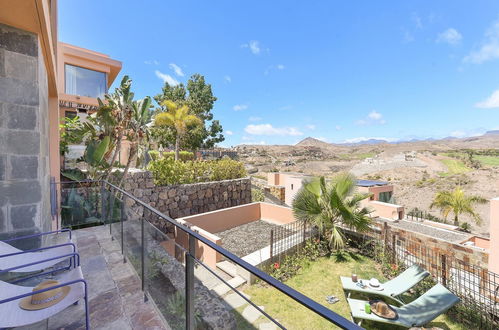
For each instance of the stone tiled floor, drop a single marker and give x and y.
(115, 297)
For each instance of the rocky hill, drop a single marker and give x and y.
(312, 142)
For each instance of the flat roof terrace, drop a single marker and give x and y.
(116, 300)
(241, 229)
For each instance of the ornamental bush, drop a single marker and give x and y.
(154, 154)
(168, 171)
(183, 155)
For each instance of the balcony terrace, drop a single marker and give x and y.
(140, 278)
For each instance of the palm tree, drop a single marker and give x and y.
(331, 204)
(137, 131)
(178, 118)
(457, 202)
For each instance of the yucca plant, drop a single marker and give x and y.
(457, 202)
(330, 205)
(177, 117)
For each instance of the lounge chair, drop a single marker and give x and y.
(15, 316)
(393, 288)
(421, 311)
(11, 257)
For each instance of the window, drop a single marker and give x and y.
(85, 82)
(385, 196)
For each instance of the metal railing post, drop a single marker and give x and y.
(103, 203)
(189, 284)
(271, 245)
(143, 253)
(122, 220)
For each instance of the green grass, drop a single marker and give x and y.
(455, 166)
(317, 280)
(487, 160)
(357, 156)
(483, 159)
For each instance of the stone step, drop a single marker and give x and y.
(228, 267)
(235, 282)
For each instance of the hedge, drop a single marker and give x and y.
(167, 171)
(183, 155)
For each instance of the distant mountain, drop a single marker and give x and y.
(312, 142)
(368, 141)
(494, 133)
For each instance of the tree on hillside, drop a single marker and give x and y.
(331, 204)
(457, 202)
(198, 97)
(178, 118)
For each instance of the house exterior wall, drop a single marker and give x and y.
(292, 184)
(494, 235)
(385, 210)
(209, 223)
(24, 131)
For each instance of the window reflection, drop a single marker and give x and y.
(84, 82)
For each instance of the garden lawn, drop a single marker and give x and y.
(455, 166)
(317, 280)
(487, 160)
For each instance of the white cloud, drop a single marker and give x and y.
(151, 62)
(407, 36)
(228, 79)
(254, 118)
(286, 107)
(240, 107)
(254, 46)
(338, 127)
(310, 127)
(323, 139)
(362, 139)
(450, 36)
(491, 102)
(178, 70)
(467, 133)
(250, 140)
(278, 67)
(166, 78)
(374, 117)
(268, 129)
(229, 133)
(489, 49)
(417, 20)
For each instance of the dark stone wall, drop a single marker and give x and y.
(24, 141)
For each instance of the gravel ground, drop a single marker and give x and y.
(247, 238)
(430, 231)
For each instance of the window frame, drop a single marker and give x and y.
(82, 67)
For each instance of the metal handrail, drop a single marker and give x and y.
(290, 292)
(293, 294)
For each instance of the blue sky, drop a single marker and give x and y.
(334, 70)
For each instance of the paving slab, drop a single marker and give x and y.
(115, 296)
(251, 314)
(267, 326)
(235, 301)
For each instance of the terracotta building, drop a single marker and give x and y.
(41, 81)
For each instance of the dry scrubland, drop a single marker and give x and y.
(417, 169)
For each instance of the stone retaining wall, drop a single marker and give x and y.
(184, 200)
(279, 192)
(438, 247)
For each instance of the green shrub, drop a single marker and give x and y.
(154, 154)
(182, 155)
(167, 171)
(257, 195)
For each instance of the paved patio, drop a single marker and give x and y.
(115, 297)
